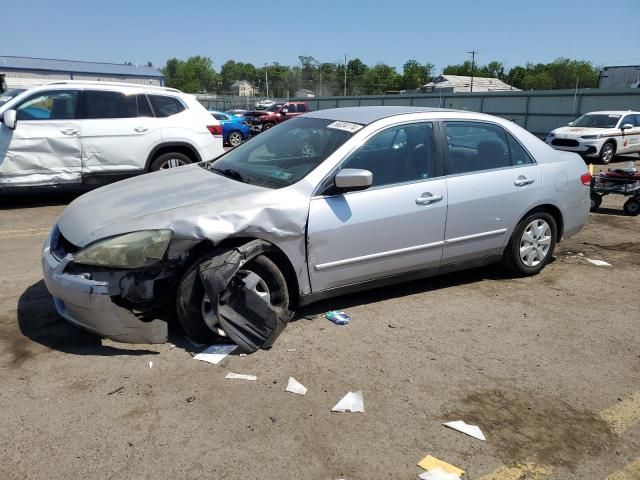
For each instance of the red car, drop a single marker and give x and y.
(260, 120)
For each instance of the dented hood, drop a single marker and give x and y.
(192, 201)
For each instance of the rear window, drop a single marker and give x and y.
(165, 106)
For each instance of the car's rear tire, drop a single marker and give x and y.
(532, 244)
(234, 138)
(169, 160)
(607, 152)
(596, 201)
(267, 126)
(191, 301)
(631, 207)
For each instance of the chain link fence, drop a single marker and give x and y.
(223, 103)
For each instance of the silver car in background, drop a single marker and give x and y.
(330, 202)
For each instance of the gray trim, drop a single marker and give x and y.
(475, 236)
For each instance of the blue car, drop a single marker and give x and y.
(235, 130)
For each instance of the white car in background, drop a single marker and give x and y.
(599, 135)
(90, 133)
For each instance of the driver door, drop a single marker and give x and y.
(395, 226)
(44, 148)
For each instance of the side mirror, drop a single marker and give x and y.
(352, 179)
(626, 126)
(9, 119)
(570, 124)
(283, 111)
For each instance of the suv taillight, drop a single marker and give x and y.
(215, 129)
(585, 178)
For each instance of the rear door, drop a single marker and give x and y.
(118, 132)
(44, 148)
(395, 226)
(491, 180)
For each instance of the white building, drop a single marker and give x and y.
(459, 83)
(243, 88)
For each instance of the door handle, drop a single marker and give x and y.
(522, 181)
(69, 131)
(141, 129)
(427, 199)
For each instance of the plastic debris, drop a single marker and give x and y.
(352, 402)
(215, 353)
(291, 349)
(438, 474)
(338, 317)
(150, 364)
(471, 430)
(598, 263)
(295, 386)
(241, 376)
(432, 464)
(117, 390)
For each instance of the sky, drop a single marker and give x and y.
(440, 32)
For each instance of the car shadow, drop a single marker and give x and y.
(609, 211)
(437, 282)
(39, 321)
(39, 198)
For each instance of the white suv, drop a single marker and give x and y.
(90, 133)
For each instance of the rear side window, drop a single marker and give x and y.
(52, 105)
(219, 116)
(302, 108)
(144, 109)
(519, 155)
(104, 104)
(165, 106)
(474, 146)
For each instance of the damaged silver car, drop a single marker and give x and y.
(327, 203)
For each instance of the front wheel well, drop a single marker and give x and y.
(554, 212)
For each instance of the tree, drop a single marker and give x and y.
(381, 78)
(415, 75)
(232, 71)
(356, 71)
(194, 75)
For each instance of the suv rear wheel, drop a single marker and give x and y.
(169, 160)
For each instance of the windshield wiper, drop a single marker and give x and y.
(231, 173)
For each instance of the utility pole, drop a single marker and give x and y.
(473, 65)
(345, 74)
(266, 78)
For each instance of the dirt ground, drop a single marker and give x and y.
(532, 361)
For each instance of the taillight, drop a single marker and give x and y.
(215, 129)
(585, 178)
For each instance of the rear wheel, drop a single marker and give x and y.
(531, 245)
(267, 126)
(596, 201)
(197, 313)
(169, 160)
(632, 206)
(607, 152)
(235, 139)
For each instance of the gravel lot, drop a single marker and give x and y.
(548, 367)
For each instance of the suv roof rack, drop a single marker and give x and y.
(117, 84)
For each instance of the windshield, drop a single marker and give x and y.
(274, 107)
(282, 155)
(9, 94)
(597, 121)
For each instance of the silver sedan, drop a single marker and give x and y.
(330, 202)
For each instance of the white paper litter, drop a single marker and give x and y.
(291, 349)
(295, 386)
(150, 364)
(599, 263)
(240, 376)
(215, 353)
(471, 430)
(352, 402)
(438, 474)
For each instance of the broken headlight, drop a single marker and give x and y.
(131, 250)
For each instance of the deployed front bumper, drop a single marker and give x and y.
(88, 304)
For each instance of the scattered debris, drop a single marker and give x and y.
(433, 464)
(241, 376)
(215, 353)
(599, 263)
(191, 399)
(471, 430)
(194, 343)
(392, 326)
(338, 317)
(295, 386)
(352, 402)
(438, 474)
(243, 354)
(150, 364)
(273, 419)
(310, 317)
(117, 390)
(291, 349)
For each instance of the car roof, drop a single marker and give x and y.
(612, 112)
(367, 115)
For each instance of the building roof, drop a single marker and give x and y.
(48, 64)
(367, 115)
(461, 83)
(241, 82)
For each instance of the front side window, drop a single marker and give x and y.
(302, 108)
(105, 104)
(282, 155)
(53, 105)
(404, 153)
(630, 119)
(474, 146)
(165, 106)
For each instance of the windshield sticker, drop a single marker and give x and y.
(281, 175)
(346, 126)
